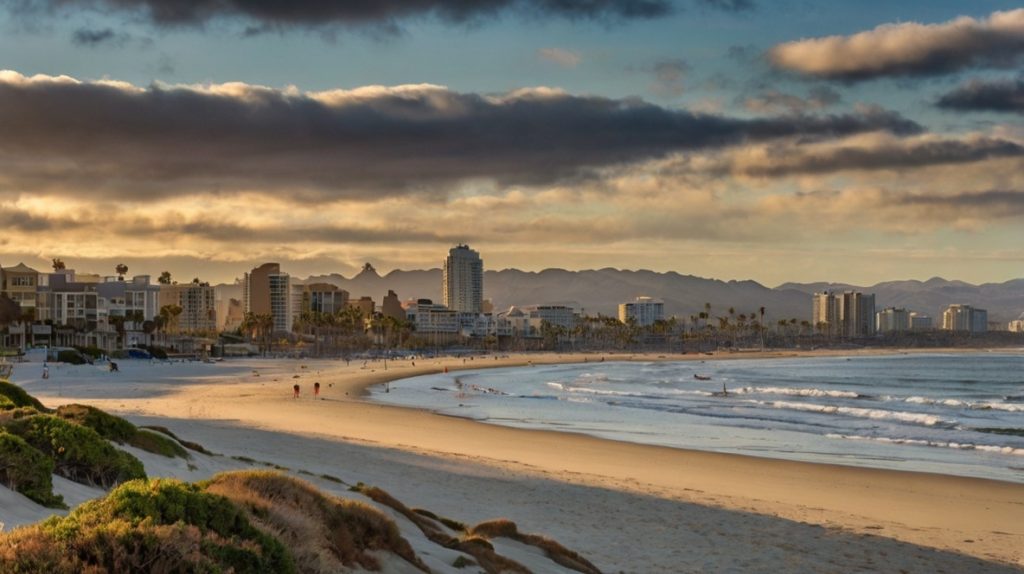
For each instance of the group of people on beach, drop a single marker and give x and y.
(296, 389)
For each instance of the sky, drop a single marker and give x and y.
(794, 140)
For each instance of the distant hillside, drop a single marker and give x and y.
(595, 291)
(1004, 301)
(601, 290)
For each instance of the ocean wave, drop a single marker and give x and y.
(979, 405)
(1008, 450)
(798, 392)
(877, 414)
(608, 392)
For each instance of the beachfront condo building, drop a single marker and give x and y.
(1017, 325)
(268, 290)
(198, 306)
(463, 282)
(920, 322)
(846, 314)
(892, 320)
(965, 318)
(645, 311)
(323, 298)
(20, 284)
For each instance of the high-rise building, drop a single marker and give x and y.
(892, 320)
(846, 314)
(920, 322)
(198, 306)
(965, 318)
(268, 290)
(463, 286)
(644, 310)
(324, 298)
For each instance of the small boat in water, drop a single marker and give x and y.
(701, 377)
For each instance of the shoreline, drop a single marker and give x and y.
(906, 505)
(931, 510)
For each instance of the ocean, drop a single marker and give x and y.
(956, 414)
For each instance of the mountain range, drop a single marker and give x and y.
(601, 290)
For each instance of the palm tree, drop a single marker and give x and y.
(58, 264)
(165, 278)
(760, 326)
(121, 269)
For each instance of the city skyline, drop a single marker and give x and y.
(853, 142)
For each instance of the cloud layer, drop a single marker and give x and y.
(910, 49)
(990, 96)
(120, 140)
(318, 13)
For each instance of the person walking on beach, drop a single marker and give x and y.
(316, 390)
(46, 371)
(295, 390)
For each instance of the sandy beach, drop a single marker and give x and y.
(627, 507)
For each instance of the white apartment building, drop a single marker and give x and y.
(965, 318)
(846, 314)
(644, 310)
(463, 281)
(892, 320)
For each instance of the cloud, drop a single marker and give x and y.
(320, 13)
(869, 152)
(774, 101)
(115, 139)
(668, 76)
(990, 96)
(728, 5)
(909, 49)
(562, 57)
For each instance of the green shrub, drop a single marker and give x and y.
(157, 444)
(20, 398)
(119, 430)
(71, 357)
(28, 471)
(147, 526)
(108, 426)
(79, 453)
(6, 404)
(187, 444)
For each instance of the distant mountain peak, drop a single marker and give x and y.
(367, 272)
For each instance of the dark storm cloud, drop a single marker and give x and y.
(909, 49)
(121, 141)
(896, 155)
(318, 13)
(990, 96)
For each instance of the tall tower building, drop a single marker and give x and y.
(463, 280)
(268, 290)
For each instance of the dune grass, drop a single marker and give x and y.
(555, 551)
(120, 431)
(158, 526)
(78, 453)
(19, 398)
(476, 546)
(324, 533)
(25, 469)
(187, 444)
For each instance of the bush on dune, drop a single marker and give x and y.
(147, 526)
(108, 426)
(19, 397)
(26, 470)
(119, 430)
(78, 453)
(324, 533)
